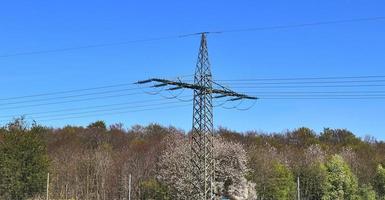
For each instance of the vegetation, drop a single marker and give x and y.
(379, 182)
(23, 161)
(340, 182)
(95, 162)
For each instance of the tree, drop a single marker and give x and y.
(367, 193)
(311, 171)
(379, 182)
(153, 190)
(281, 184)
(341, 184)
(302, 137)
(98, 125)
(175, 169)
(23, 161)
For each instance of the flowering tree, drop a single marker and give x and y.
(175, 169)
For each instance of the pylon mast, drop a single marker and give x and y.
(201, 141)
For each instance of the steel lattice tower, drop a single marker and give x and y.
(201, 140)
(202, 157)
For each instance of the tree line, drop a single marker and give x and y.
(97, 161)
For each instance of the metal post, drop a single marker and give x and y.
(129, 187)
(48, 186)
(298, 190)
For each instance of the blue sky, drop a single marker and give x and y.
(350, 49)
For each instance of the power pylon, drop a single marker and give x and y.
(201, 141)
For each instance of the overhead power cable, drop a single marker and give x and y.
(69, 101)
(130, 85)
(323, 98)
(115, 113)
(301, 78)
(90, 46)
(132, 103)
(262, 85)
(120, 111)
(290, 26)
(109, 109)
(312, 86)
(67, 91)
(252, 29)
(318, 92)
(322, 95)
(306, 82)
(72, 96)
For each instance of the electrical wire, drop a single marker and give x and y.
(71, 96)
(114, 113)
(323, 98)
(303, 78)
(134, 87)
(306, 82)
(65, 91)
(129, 84)
(317, 92)
(86, 108)
(275, 27)
(312, 86)
(69, 101)
(290, 26)
(107, 110)
(90, 46)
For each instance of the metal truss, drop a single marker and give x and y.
(201, 141)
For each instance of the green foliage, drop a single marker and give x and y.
(281, 185)
(339, 137)
(23, 161)
(341, 184)
(379, 182)
(314, 178)
(303, 137)
(153, 190)
(366, 192)
(98, 125)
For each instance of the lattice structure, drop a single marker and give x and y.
(202, 155)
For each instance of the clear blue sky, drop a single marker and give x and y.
(351, 49)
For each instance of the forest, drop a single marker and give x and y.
(98, 160)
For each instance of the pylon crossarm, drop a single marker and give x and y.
(180, 85)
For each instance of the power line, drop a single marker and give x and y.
(65, 91)
(302, 78)
(323, 98)
(275, 27)
(115, 113)
(318, 92)
(72, 96)
(70, 101)
(134, 103)
(312, 86)
(290, 26)
(133, 87)
(88, 46)
(235, 84)
(108, 110)
(105, 108)
(326, 96)
(306, 82)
